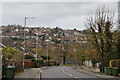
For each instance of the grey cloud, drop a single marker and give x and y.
(62, 14)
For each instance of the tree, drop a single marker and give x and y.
(11, 55)
(100, 27)
(55, 30)
(116, 38)
(56, 41)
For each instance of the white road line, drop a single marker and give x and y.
(70, 75)
(62, 70)
(67, 73)
(76, 77)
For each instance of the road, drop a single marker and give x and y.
(67, 73)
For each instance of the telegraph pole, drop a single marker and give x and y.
(24, 42)
(36, 46)
(25, 25)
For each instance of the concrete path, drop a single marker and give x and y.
(28, 74)
(95, 73)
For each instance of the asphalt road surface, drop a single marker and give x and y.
(67, 73)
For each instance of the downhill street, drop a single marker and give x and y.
(68, 73)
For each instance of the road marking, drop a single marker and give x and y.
(62, 70)
(70, 75)
(76, 77)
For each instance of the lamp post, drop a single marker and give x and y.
(0, 42)
(36, 46)
(47, 50)
(62, 49)
(25, 24)
(1, 62)
(23, 56)
(62, 54)
(1, 54)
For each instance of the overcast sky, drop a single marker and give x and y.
(67, 15)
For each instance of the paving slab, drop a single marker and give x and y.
(91, 72)
(31, 74)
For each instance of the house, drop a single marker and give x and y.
(11, 34)
(16, 30)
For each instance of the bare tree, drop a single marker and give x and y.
(100, 27)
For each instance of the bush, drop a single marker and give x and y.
(29, 57)
(45, 57)
(39, 60)
(11, 55)
(50, 63)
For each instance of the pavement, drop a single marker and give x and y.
(93, 71)
(28, 74)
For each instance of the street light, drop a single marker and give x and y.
(25, 24)
(62, 49)
(47, 49)
(36, 46)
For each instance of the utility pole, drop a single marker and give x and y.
(1, 42)
(47, 50)
(36, 46)
(24, 42)
(62, 51)
(25, 25)
(62, 54)
(1, 56)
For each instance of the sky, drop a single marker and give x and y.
(66, 15)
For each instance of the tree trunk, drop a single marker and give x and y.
(64, 60)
